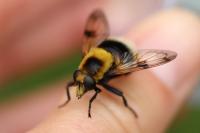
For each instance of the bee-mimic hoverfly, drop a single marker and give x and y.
(105, 59)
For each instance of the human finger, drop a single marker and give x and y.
(154, 100)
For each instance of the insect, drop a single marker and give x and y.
(105, 59)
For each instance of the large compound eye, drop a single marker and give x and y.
(89, 82)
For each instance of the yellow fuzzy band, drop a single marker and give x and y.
(102, 55)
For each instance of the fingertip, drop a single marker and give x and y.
(177, 30)
(74, 118)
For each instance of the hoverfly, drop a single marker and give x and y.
(105, 59)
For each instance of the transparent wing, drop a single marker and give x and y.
(142, 59)
(96, 30)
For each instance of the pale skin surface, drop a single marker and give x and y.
(156, 95)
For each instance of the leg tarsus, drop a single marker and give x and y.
(119, 93)
(71, 83)
(126, 105)
(97, 91)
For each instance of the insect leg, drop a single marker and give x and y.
(119, 93)
(97, 91)
(71, 83)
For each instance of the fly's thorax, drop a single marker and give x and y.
(97, 62)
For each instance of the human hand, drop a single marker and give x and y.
(156, 96)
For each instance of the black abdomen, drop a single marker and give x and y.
(119, 50)
(115, 47)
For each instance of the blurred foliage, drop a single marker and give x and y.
(60, 70)
(189, 123)
(34, 80)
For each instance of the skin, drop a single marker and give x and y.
(157, 94)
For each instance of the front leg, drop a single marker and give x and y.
(97, 91)
(71, 83)
(119, 93)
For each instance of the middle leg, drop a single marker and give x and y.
(119, 93)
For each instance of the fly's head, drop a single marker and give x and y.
(84, 82)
